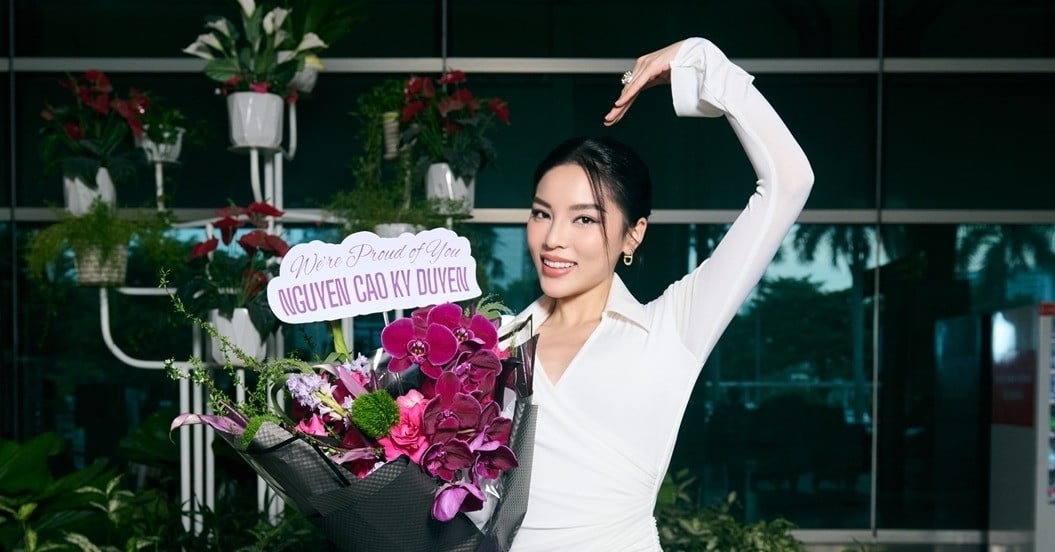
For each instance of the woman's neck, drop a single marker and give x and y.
(583, 308)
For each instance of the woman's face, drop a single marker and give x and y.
(565, 236)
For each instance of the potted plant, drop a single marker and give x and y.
(165, 129)
(229, 287)
(255, 67)
(98, 241)
(88, 140)
(446, 127)
(382, 198)
(330, 20)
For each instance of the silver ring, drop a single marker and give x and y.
(627, 77)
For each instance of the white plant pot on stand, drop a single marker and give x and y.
(79, 196)
(240, 332)
(441, 184)
(255, 119)
(158, 153)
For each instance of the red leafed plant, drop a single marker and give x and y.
(227, 279)
(445, 123)
(94, 130)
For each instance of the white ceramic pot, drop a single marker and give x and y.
(166, 151)
(239, 330)
(256, 119)
(440, 184)
(396, 229)
(92, 270)
(305, 79)
(79, 196)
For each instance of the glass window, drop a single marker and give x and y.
(937, 29)
(60, 28)
(785, 413)
(965, 141)
(695, 163)
(5, 140)
(827, 28)
(937, 289)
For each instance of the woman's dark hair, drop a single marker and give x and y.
(615, 171)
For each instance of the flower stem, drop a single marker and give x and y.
(339, 345)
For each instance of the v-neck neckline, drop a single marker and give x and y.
(572, 362)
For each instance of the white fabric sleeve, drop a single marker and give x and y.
(704, 83)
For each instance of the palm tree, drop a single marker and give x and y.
(855, 246)
(1000, 251)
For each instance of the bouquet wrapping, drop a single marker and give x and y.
(365, 502)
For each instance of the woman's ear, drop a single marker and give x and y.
(635, 235)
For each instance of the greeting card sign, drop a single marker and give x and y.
(366, 273)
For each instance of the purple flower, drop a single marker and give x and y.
(430, 347)
(450, 411)
(445, 459)
(492, 459)
(303, 387)
(493, 426)
(457, 497)
(476, 328)
(478, 371)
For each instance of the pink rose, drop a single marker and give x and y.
(407, 437)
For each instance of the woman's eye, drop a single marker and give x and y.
(538, 214)
(585, 220)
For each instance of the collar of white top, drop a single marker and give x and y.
(620, 303)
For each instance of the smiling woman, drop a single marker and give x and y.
(598, 468)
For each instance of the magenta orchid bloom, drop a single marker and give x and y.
(476, 328)
(451, 411)
(457, 497)
(492, 459)
(493, 426)
(478, 371)
(446, 459)
(409, 344)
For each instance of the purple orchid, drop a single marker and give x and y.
(430, 347)
(457, 497)
(478, 371)
(476, 328)
(445, 459)
(493, 426)
(451, 411)
(492, 459)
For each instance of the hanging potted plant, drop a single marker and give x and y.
(98, 241)
(228, 287)
(381, 198)
(446, 127)
(88, 141)
(255, 67)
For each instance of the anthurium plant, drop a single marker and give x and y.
(445, 123)
(226, 279)
(263, 56)
(93, 131)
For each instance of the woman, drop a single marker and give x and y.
(613, 376)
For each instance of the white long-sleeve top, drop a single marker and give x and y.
(606, 429)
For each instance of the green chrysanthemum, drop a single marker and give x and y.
(254, 425)
(375, 413)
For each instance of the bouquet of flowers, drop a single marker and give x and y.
(425, 447)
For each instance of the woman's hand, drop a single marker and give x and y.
(650, 70)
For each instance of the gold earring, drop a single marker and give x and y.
(628, 259)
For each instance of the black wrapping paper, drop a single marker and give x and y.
(390, 510)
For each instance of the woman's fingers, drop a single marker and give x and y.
(649, 70)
